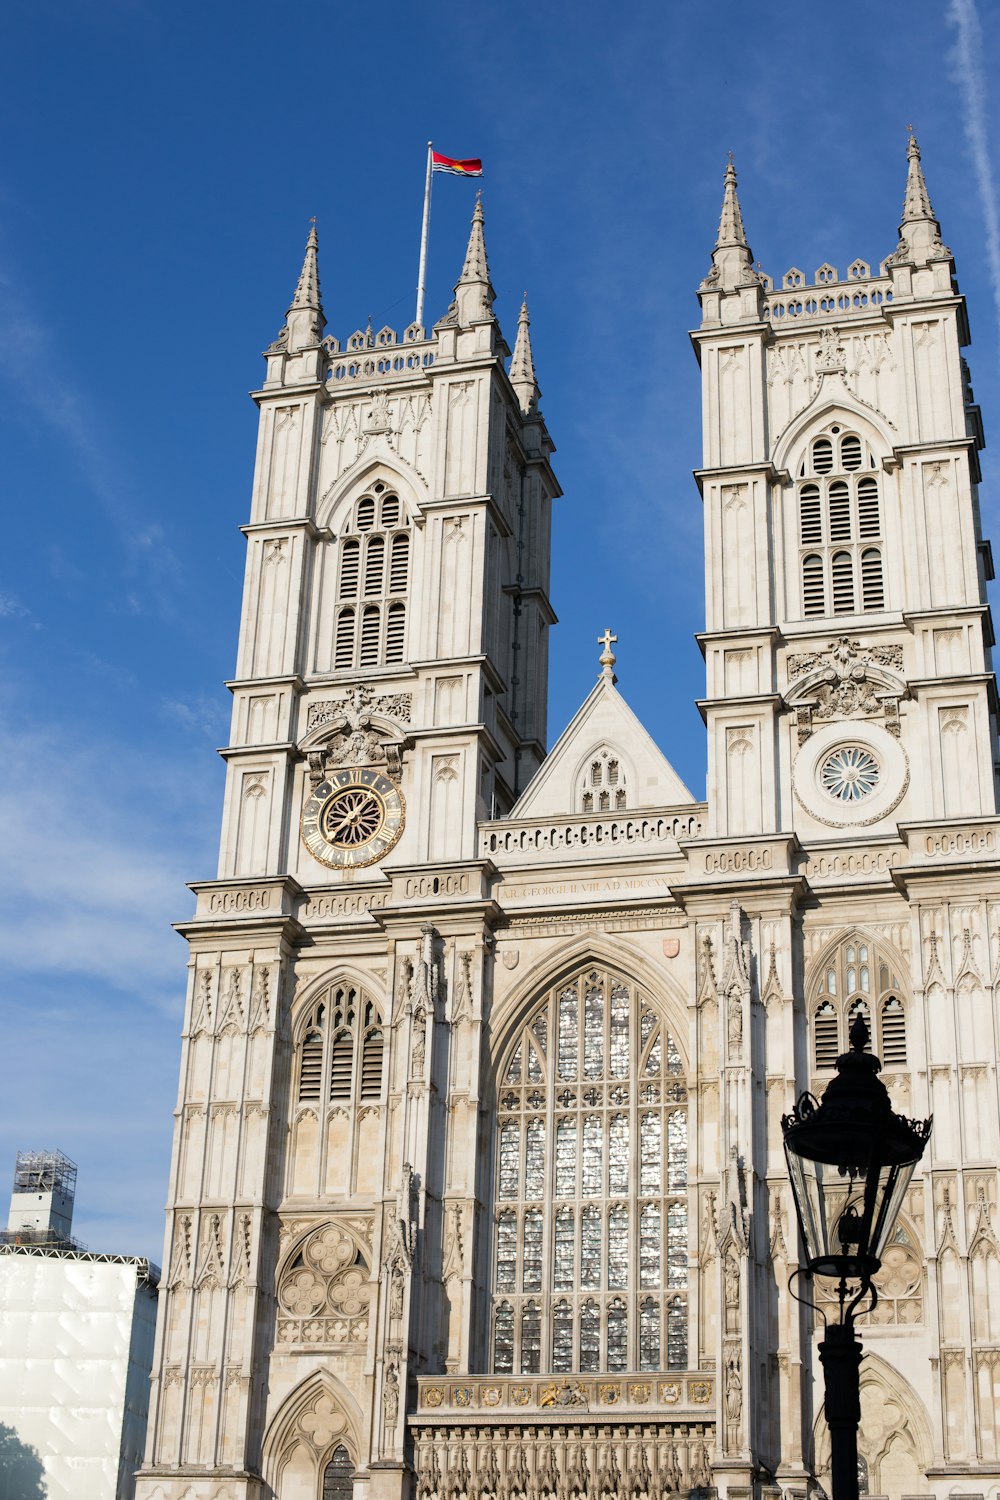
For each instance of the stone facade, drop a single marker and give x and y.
(477, 1187)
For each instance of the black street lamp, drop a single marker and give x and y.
(850, 1161)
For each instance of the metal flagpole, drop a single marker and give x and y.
(422, 273)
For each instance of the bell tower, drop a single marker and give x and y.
(389, 693)
(847, 641)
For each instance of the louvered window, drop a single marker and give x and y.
(395, 630)
(400, 563)
(339, 1057)
(859, 980)
(825, 1035)
(893, 1042)
(591, 1238)
(840, 512)
(868, 517)
(872, 594)
(850, 452)
(810, 515)
(839, 509)
(370, 623)
(344, 652)
(374, 565)
(350, 561)
(842, 574)
(311, 1063)
(822, 456)
(390, 510)
(341, 1066)
(813, 591)
(371, 1065)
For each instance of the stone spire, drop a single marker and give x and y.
(522, 366)
(732, 258)
(305, 320)
(474, 294)
(920, 232)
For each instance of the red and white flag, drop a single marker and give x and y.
(470, 167)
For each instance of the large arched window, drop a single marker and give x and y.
(336, 1095)
(858, 978)
(339, 1055)
(840, 527)
(373, 579)
(591, 1210)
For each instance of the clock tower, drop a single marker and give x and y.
(389, 693)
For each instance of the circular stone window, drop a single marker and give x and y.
(850, 773)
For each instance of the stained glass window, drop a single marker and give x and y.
(503, 1338)
(507, 1251)
(531, 1339)
(649, 1335)
(562, 1337)
(590, 1248)
(618, 1162)
(531, 1270)
(510, 1143)
(590, 1337)
(591, 1186)
(534, 1159)
(677, 1334)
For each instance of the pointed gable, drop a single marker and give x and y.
(604, 750)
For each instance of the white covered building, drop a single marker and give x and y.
(76, 1344)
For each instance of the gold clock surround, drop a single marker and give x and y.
(353, 818)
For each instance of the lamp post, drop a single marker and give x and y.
(850, 1161)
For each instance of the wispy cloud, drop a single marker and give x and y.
(95, 861)
(11, 608)
(204, 715)
(966, 59)
(30, 365)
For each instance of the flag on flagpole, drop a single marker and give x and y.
(470, 167)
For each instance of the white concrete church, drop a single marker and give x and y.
(477, 1188)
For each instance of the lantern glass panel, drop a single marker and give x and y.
(846, 1218)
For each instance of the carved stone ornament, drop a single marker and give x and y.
(325, 1291)
(831, 359)
(357, 741)
(847, 681)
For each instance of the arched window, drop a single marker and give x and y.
(591, 1218)
(838, 504)
(602, 784)
(373, 580)
(859, 979)
(339, 1055)
(338, 1476)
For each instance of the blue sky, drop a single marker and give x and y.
(162, 162)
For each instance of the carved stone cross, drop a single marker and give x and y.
(607, 640)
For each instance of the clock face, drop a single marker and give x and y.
(353, 818)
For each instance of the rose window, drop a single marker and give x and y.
(850, 773)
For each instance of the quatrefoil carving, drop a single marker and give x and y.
(329, 1276)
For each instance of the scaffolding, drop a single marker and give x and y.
(45, 1172)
